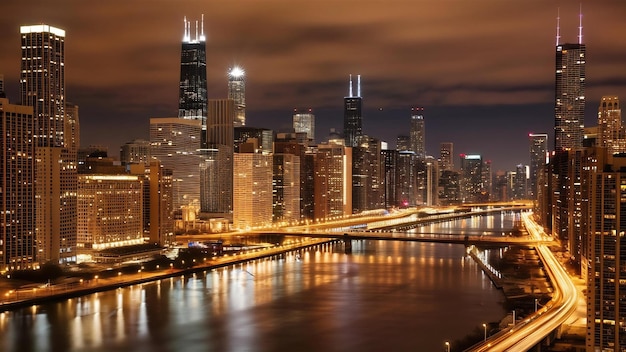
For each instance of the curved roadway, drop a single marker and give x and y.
(532, 330)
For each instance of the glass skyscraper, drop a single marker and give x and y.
(418, 132)
(569, 108)
(193, 78)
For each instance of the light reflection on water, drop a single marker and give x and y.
(384, 296)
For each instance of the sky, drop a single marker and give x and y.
(483, 70)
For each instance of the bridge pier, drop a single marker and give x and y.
(347, 244)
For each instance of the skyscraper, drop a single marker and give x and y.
(193, 97)
(569, 108)
(352, 115)
(471, 178)
(610, 129)
(304, 121)
(252, 200)
(418, 132)
(446, 151)
(538, 150)
(42, 86)
(333, 181)
(237, 92)
(2, 93)
(42, 81)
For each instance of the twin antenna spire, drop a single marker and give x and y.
(580, 26)
(358, 87)
(187, 36)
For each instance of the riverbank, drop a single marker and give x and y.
(19, 294)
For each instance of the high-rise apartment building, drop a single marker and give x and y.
(175, 143)
(252, 201)
(42, 81)
(606, 312)
(611, 131)
(110, 213)
(353, 115)
(418, 132)
(192, 103)
(17, 199)
(569, 107)
(333, 180)
(538, 156)
(237, 92)
(304, 121)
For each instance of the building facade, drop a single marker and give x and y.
(610, 129)
(252, 201)
(569, 108)
(304, 121)
(418, 132)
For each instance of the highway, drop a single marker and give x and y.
(525, 334)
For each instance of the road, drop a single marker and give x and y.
(525, 334)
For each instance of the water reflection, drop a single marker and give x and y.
(382, 296)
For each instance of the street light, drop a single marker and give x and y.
(485, 327)
(535, 305)
(447, 346)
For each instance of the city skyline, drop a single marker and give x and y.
(481, 66)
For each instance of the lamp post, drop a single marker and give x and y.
(485, 327)
(535, 305)
(513, 317)
(447, 346)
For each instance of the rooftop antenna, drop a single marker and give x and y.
(196, 30)
(558, 26)
(202, 37)
(350, 95)
(580, 24)
(358, 86)
(185, 29)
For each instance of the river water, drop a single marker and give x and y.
(383, 296)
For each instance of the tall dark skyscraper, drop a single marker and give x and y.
(352, 115)
(569, 108)
(193, 78)
(418, 132)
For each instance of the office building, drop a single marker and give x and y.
(17, 199)
(71, 129)
(192, 100)
(611, 131)
(216, 187)
(403, 143)
(264, 137)
(237, 92)
(446, 156)
(175, 143)
(538, 156)
(353, 115)
(2, 93)
(406, 179)
(304, 122)
(389, 166)
(418, 133)
(569, 107)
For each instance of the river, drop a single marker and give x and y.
(383, 296)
